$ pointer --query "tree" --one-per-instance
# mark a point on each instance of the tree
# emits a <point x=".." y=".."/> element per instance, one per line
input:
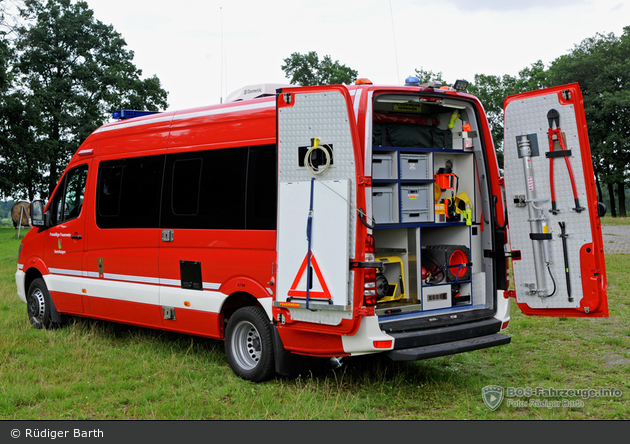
<point x="429" y="76"/>
<point x="492" y="91"/>
<point x="601" y="65"/>
<point x="71" y="71"/>
<point x="307" y="69"/>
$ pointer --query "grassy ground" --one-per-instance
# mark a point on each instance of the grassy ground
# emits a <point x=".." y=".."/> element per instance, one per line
<point x="98" y="370"/>
<point x="607" y="220"/>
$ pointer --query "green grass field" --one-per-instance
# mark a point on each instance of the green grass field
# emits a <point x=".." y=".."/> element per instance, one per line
<point x="98" y="370"/>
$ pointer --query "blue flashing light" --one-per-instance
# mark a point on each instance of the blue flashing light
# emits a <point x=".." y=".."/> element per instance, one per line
<point x="412" y="81"/>
<point x="130" y="114"/>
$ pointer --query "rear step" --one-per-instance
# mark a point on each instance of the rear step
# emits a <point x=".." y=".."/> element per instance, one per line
<point x="448" y="348"/>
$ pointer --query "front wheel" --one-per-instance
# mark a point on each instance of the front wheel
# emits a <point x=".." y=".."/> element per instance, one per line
<point x="40" y="305"/>
<point x="249" y="344"/>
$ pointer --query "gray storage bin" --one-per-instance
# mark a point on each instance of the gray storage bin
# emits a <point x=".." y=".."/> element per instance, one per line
<point x="382" y="204"/>
<point x="414" y="166"/>
<point x="414" y="197"/>
<point x="382" y="166"/>
<point x="411" y="216"/>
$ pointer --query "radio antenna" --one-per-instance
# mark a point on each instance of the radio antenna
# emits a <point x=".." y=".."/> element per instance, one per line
<point x="391" y="15"/>
<point x="221" y="93"/>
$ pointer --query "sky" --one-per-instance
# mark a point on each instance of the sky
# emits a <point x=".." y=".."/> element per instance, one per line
<point x="202" y="50"/>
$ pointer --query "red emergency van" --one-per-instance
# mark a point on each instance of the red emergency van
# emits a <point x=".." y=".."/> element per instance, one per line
<point x="324" y="221"/>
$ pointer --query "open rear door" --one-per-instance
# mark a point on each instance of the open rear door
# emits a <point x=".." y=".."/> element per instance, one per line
<point x="316" y="192"/>
<point x="555" y="232"/>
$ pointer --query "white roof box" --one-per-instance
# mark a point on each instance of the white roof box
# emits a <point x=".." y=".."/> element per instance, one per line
<point x="255" y="91"/>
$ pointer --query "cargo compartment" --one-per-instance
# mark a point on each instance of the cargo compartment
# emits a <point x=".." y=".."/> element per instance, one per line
<point x="426" y="200"/>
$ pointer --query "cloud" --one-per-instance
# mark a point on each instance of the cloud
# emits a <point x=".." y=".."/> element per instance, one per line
<point x="510" y="5"/>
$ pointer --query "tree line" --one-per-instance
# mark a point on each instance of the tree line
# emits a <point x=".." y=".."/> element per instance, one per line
<point x="600" y="64"/>
<point x="62" y="72"/>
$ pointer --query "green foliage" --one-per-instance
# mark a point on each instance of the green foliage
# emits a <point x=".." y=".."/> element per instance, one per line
<point x="70" y="72"/>
<point x="601" y="65"/>
<point x="307" y="69"/>
<point x="492" y="91"/>
<point x="429" y="76"/>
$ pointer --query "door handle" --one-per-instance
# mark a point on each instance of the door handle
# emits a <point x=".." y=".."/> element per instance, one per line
<point x="76" y="236"/>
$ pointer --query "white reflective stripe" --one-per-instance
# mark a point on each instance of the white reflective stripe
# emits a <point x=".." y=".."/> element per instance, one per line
<point x="20" y="266"/>
<point x="116" y="126"/>
<point x="209" y="301"/>
<point x="357" y="101"/>
<point x="123" y="291"/>
<point x="127" y="278"/>
<point x="64" y="284"/>
<point x="228" y="110"/>
<point x="65" y="272"/>
<point x="140" y="279"/>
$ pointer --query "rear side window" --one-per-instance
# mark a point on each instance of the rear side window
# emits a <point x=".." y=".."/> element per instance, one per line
<point x="206" y="189"/>
<point x="229" y="189"/>
<point x="129" y="192"/>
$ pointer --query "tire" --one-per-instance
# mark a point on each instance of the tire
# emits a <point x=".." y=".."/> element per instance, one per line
<point x="249" y="344"/>
<point x="40" y="305"/>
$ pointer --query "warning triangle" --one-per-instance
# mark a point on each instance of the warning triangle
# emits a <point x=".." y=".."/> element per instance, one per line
<point x="323" y="294"/>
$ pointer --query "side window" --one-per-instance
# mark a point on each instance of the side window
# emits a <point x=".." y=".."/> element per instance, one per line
<point x="229" y="189"/>
<point x="129" y="192"/>
<point x="206" y="189"/>
<point x="262" y="186"/>
<point x="68" y="200"/>
<point x="186" y="186"/>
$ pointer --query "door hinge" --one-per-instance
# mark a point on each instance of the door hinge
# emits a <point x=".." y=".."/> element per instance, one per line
<point x="169" y="313"/>
<point x="168" y="236"/>
<point x="365" y="311"/>
<point x="509" y="294"/>
<point x="364" y="180"/>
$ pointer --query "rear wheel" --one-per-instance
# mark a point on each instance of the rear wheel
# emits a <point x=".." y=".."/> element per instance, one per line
<point x="40" y="305"/>
<point x="249" y="344"/>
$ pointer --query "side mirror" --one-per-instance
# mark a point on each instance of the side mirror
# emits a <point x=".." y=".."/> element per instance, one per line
<point x="601" y="209"/>
<point x="37" y="213"/>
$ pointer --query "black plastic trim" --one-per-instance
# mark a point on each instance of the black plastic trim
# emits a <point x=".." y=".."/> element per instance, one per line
<point x="449" y="348"/>
<point x="433" y="322"/>
<point x="422" y="338"/>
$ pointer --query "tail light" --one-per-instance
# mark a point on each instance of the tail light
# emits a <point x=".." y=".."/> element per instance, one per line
<point x="369" y="274"/>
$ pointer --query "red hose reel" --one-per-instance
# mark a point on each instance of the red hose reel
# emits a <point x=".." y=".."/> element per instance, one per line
<point x="450" y="263"/>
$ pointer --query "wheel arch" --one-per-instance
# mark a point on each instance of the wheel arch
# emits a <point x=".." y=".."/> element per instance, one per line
<point x="30" y="275"/>
<point x="240" y="299"/>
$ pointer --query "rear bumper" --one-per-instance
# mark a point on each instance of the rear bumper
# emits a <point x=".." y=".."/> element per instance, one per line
<point x="448" y="348"/>
<point x="442" y="341"/>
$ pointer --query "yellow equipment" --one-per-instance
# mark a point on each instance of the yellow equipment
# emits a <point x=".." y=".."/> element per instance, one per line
<point x="390" y="280"/>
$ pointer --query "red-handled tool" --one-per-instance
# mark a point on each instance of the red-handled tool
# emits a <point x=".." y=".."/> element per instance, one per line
<point x="555" y="135"/>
